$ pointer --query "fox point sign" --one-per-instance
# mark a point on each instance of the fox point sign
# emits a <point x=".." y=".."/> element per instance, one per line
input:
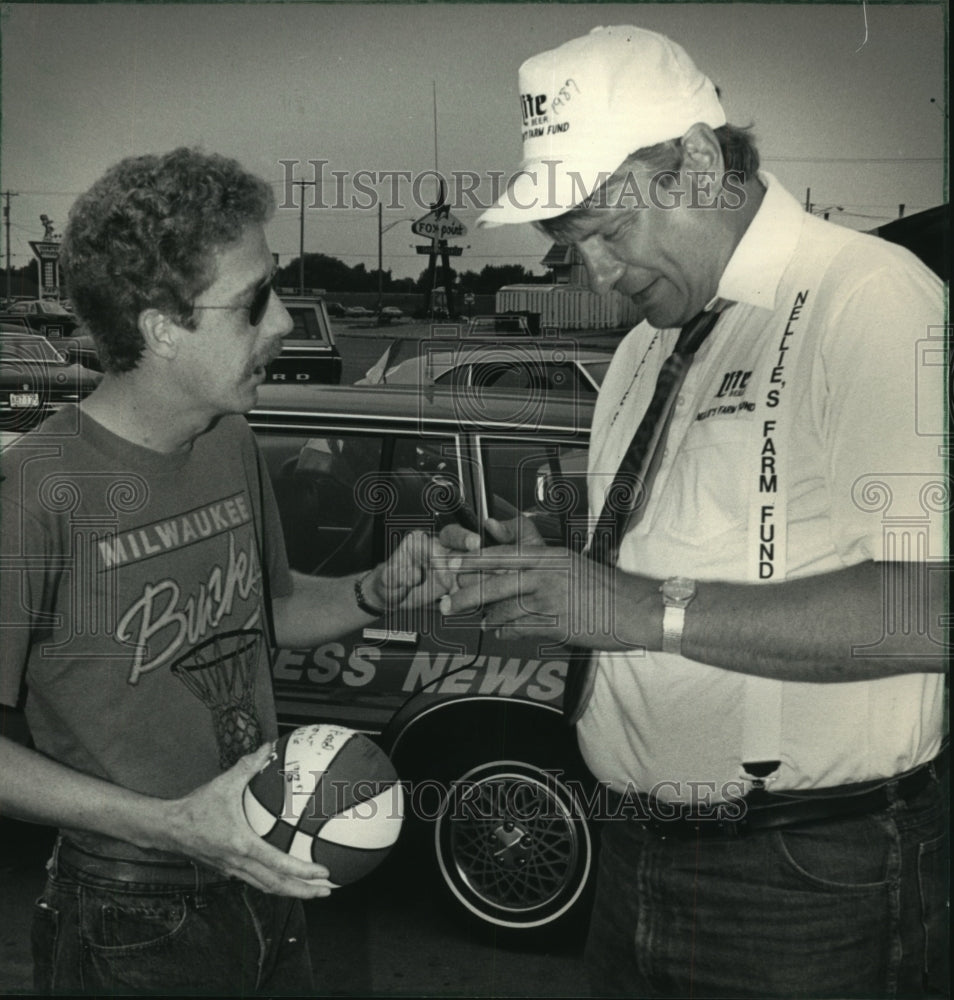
<point x="439" y="225"/>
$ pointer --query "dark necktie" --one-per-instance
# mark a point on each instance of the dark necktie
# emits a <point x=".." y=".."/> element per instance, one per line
<point x="625" y="500"/>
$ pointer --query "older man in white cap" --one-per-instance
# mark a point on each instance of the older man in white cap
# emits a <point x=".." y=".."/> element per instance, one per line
<point x="767" y="496"/>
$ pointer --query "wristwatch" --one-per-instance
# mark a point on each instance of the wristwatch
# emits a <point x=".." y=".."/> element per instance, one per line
<point x="678" y="592"/>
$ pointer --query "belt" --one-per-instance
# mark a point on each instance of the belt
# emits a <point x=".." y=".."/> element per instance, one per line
<point x="163" y="870"/>
<point x="761" y="810"/>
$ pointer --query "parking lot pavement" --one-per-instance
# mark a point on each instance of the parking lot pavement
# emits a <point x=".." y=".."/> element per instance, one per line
<point x="18" y="889"/>
<point x="23" y="852"/>
<point x="396" y="934"/>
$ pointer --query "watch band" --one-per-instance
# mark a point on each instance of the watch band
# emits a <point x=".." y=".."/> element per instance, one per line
<point x="674" y="620"/>
<point x="678" y="593"/>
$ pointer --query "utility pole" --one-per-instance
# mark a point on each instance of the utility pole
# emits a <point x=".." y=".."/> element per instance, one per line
<point x="434" y="92"/>
<point x="380" y="258"/>
<point x="6" y="222"/>
<point x="301" y="235"/>
<point x="808" y="199"/>
<point x="382" y="229"/>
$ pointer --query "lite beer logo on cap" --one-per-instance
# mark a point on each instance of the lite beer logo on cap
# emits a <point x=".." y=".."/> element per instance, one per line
<point x="532" y="106"/>
<point x="535" y="110"/>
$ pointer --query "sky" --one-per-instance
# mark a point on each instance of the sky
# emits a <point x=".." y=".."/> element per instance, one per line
<point x="847" y="101"/>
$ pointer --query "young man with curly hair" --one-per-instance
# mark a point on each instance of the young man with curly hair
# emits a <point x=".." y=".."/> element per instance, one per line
<point x="144" y="579"/>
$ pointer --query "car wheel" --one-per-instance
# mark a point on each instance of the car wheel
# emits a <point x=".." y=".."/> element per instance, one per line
<point x="513" y="845"/>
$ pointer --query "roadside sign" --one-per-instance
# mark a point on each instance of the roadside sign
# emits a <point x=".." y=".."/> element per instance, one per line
<point x="45" y="249"/>
<point x="439" y="226"/>
<point x="47" y="265"/>
<point x="436" y="251"/>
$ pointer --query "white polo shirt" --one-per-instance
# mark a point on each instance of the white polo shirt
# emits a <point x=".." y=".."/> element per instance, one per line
<point x="863" y="479"/>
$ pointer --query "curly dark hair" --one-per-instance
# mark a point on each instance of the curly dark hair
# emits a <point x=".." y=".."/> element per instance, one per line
<point x="144" y="235"/>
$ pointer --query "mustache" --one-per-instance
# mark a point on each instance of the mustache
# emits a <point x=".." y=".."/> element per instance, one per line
<point x="263" y="359"/>
<point x="267" y="357"/>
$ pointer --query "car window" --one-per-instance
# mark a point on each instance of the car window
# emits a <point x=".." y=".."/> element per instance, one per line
<point x="14" y="347"/>
<point x="306" y="324"/>
<point x="458" y="375"/>
<point x="541" y="478"/>
<point x="564" y="377"/>
<point x="300" y="331"/>
<point x="507" y="374"/>
<point x="596" y="370"/>
<point x="531" y="375"/>
<point x="346" y="500"/>
<point x="52" y="308"/>
<point x="498" y="324"/>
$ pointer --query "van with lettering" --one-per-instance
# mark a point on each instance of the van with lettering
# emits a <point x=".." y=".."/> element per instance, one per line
<point x="473" y="723"/>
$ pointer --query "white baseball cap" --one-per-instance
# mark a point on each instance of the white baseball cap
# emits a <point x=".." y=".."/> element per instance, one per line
<point x="587" y="105"/>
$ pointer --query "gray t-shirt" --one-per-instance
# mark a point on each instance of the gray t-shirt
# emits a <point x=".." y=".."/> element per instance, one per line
<point x="119" y="566"/>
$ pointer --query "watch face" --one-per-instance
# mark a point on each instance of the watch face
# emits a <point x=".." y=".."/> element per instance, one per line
<point x="679" y="588"/>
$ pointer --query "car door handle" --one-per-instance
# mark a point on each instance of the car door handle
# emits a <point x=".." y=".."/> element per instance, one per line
<point x="372" y="634"/>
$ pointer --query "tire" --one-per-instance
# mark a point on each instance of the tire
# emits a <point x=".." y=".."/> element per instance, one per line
<point x="512" y="845"/>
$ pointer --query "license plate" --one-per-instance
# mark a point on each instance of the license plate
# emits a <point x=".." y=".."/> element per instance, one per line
<point x="23" y="400"/>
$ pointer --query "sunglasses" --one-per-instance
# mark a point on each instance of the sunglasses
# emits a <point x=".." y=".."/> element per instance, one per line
<point x="258" y="306"/>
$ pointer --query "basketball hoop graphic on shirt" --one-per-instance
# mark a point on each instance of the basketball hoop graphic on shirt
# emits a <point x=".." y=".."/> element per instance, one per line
<point x="220" y="672"/>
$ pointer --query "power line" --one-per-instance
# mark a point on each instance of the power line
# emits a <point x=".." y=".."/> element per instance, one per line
<point x="861" y="215"/>
<point x="283" y="183"/>
<point x="851" y="159"/>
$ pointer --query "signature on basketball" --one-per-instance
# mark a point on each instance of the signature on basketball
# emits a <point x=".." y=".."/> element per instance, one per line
<point x="333" y="739"/>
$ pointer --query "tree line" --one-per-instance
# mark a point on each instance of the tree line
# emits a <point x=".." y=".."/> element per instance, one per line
<point x="334" y="275"/>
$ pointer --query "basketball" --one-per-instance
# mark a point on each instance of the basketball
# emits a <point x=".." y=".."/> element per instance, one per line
<point x="328" y="794"/>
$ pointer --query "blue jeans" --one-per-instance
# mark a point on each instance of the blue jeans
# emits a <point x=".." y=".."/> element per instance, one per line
<point x="95" y="934"/>
<point x="854" y="907"/>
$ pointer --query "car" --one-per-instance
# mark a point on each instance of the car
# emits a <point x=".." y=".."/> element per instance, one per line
<point x="309" y="352"/>
<point x="38" y="307"/>
<point x="335" y="309"/>
<point x="46" y="317"/>
<point x="560" y="367"/>
<point x="358" y="312"/>
<point x="14" y="324"/>
<point x="80" y="348"/>
<point x="495" y="788"/>
<point x="388" y="313"/>
<point x="503" y="323"/>
<point x="35" y="378"/>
